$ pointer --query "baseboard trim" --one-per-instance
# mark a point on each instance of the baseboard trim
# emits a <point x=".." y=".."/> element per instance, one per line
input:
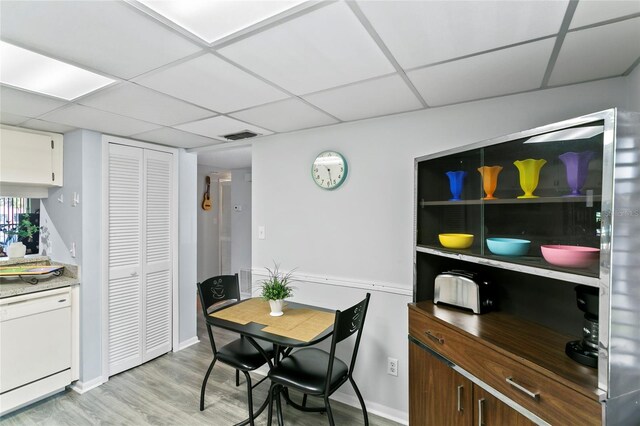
<point x="343" y="282"/>
<point x="82" y="387"/>
<point x="372" y="407"/>
<point x="187" y="343"/>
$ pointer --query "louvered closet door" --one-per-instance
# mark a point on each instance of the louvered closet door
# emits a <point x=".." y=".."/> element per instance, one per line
<point x="125" y="195"/>
<point x="157" y="253"/>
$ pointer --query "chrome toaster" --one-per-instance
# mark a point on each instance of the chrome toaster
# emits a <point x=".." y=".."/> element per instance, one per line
<point x="465" y="290"/>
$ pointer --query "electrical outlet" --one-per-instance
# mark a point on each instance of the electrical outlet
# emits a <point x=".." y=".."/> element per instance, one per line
<point x="392" y="366"/>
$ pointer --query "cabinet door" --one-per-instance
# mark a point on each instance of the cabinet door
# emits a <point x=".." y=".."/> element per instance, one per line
<point x="438" y="396"/>
<point x="490" y="411"/>
<point x="25" y="157"/>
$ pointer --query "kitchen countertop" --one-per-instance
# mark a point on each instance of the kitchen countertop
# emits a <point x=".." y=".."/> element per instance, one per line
<point x="14" y="286"/>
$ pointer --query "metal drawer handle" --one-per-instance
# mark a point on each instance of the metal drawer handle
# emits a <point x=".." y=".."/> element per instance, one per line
<point x="460" y="398"/>
<point x="534" y="395"/>
<point x="433" y="337"/>
<point x="481" y="412"/>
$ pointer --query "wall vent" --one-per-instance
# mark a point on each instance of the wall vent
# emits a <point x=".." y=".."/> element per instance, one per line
<point x="245" y="282"/>
<point x="245" y="134"/>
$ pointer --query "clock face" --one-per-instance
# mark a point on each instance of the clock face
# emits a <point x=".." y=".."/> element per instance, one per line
<point x="329" y="170"/>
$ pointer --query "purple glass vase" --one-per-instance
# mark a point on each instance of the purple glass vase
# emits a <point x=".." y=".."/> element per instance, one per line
<point x="577" y="165"/>
<point x="456" y="180"/>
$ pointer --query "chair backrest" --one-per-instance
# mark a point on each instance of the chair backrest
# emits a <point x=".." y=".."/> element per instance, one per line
<point x="348" y="322"/>
<point x="218" y="289"/>
<point x="215" y="290"/>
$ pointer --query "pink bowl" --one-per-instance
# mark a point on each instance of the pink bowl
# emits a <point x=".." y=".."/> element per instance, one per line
<point x="570" y="256"/>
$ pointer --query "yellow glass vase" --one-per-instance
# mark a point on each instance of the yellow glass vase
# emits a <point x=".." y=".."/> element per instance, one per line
<point x="529" y="174"/>
<point x="489" y="180"/>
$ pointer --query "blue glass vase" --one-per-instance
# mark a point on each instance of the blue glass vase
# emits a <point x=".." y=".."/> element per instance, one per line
<point x="456" y="180"/>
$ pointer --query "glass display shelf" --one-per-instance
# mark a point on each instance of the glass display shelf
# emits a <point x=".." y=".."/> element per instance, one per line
<point x="526" y="264"/>
<point x="586" y="199"/>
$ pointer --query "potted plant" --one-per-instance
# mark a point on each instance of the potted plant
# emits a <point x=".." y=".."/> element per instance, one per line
<point x="24" y="231"/>
<point x="276" y="288"/>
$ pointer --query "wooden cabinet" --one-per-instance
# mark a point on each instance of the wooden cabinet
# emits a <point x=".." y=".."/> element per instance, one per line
<point x="30" y="161"/>
<point x="441" y="396"/>
<point x="521" y="361"/>
<point x="438" y="395"/>
<point x="490" y="411"/>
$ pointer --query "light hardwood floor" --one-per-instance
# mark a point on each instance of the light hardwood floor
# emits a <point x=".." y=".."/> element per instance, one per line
<point x="166" y="391"/>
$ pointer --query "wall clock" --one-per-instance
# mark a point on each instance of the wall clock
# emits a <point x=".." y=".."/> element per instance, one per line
<point x="329" y="170"/>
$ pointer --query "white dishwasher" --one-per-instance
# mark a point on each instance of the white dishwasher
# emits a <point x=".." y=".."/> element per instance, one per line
<point x="35" y="346"/>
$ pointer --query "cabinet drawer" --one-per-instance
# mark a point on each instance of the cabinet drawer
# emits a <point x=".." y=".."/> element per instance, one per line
<point x="540" y="394"/>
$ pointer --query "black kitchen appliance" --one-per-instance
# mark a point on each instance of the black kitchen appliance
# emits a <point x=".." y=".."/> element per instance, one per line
<point x="585" y="351"/>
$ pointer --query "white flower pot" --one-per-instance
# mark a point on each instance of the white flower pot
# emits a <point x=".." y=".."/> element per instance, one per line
<point x="16" y="250"/>
<point x="276" y="307"/>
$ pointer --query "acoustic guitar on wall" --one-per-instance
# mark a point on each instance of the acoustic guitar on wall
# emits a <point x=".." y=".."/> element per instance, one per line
<point x="206" y="199"/>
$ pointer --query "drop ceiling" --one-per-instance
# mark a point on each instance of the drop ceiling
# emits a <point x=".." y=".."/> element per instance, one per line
<point x="303" y="64"/>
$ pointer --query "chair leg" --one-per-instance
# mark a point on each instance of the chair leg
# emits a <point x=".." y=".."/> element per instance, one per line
<point x="237" y="377"/>
<point x="329" y="412"/>
<point x="204" y="383"/>
<point x="304" y="400"/>
<point x="249" y="397"/>
<point x="364" y="408"/>
<point x="279" y="407"/>
<point x="272" y="389"/>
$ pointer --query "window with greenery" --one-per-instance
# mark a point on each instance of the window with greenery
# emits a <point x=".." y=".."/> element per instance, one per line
<point x="19" y="222"/>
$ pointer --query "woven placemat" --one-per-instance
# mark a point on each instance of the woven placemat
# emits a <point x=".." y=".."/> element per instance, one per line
<point x="300" y="324"/>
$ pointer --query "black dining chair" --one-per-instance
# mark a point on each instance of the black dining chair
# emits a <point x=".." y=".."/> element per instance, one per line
<point x="244" y="354"/>
<point x="319" y="373"/>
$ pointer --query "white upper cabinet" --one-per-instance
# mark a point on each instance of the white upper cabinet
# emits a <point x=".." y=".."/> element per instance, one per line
<point x="30" y="162"/>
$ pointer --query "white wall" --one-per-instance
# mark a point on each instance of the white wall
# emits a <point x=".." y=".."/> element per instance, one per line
<point x="633" y="92"/>
<point x="208" y="234"/>
<point x="187" y="239"/>
<point x="360" y="237"/>
<point x="240" y="220"/>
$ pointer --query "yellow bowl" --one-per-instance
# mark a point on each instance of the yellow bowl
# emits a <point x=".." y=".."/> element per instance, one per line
<point x="456" y="241"/>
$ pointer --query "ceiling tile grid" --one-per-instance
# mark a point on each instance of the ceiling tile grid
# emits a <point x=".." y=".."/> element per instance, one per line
<point x="500" y="72"/>
<point x="83" y="117"/>
<point x="313" y="65"/>
<point x="174" y="137"/>
<point x="103" y="35"/>
<point x="285" y="116"/>
<point x="597" y="52"/>
<point x="218" y="127"/>
<point x="322" y="49"/>
<point x="144" y="104"/>
<point x="212" y="83"/>
<point x="372" y="98"/>
<point x="425" y="32"/>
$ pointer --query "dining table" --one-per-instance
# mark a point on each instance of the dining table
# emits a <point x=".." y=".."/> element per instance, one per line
<point x="300" y="325"/>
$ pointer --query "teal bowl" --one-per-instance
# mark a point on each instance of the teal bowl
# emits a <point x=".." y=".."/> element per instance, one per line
<point x="508" y="246"/>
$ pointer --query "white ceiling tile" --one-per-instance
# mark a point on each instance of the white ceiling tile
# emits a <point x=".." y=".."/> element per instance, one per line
<point x="139" y="102"/>
<point x="213" y="20"/>
<point x="212" y="83"/>
<point x="101" y="121"/>
<point x="216" y="127"/>
<point x="25" y="103"/>
<point x="285" y="116"/>
<point x="107" y="36"/>
<point x="591" y="12"/>
<point x="47" y="126"/>
<point x="227" y="159"/>
<point x="425" y="32"/>
<point x="177" y="138"/>
<point x="598" y="52"/>
<point x="386" y="95"/>
<point x="324" y="48"/>
<point x="11" y="119"/>
<point x="497" y="73"/>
